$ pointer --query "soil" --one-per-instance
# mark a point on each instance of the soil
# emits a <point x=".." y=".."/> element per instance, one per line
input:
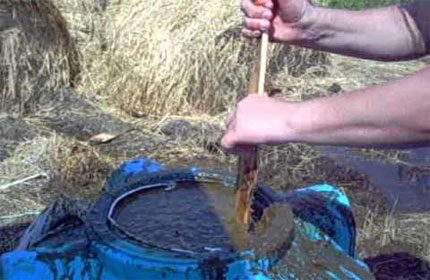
<point x="201" y="133"/>
<point x="70" y="115"/>
<point x="3" y="155"/>
<point x="65" y="112"/>
<point x="400" y="265"/>
<point x="10" y="235"/>
<point x="14" y="131"/>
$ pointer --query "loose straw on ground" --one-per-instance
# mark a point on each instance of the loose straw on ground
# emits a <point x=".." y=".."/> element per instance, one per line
<point x="24" y="180"/>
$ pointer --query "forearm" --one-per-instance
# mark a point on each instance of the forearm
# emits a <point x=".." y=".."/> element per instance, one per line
<point x="391" y="115"/>
<point x="386" y="34"/>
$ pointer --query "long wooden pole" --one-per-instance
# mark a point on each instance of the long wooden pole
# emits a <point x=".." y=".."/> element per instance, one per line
<point x="264" y="44"/>
<point x="248" y="164"/>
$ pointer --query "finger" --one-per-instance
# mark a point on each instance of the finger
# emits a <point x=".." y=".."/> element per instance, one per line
<point x="269" y="4"/>
<point x="256" y="24"/>
<point x="252" y="10"/>
<point x="228" y="142"/>
<point x="251" y="34"/>
<point x="264" y="3"/>
<point x="230" y="118"/>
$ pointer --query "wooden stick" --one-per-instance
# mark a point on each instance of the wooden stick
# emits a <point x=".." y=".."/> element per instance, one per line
<point x="263" y="62"/>
<point x="248" y="164"/>
<point x="36" y="176"/>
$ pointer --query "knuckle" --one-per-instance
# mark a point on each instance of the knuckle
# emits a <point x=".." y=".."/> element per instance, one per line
<point x="255" y="13"/>
<point x="245" y="32"/>
<point x="245" y="22"/>
<point x="256" y="24"/>
<point x="263" y="24"/>
<point x="256" y="33"/>
<point x="243" y="102"/>
<point x="240" y="105"/>
<point x="250" y="23"/>
<point x="244" y="6"/>
<point x="251" y="33"/>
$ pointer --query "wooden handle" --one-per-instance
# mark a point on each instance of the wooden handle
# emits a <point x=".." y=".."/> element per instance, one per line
<point x="248" y="164"/>
<point x="264" y="43"/>
<point x="263" y="62"/>
<point x="258" y="72"/>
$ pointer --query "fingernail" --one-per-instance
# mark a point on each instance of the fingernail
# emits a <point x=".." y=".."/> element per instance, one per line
<point x="256" y="33"/>
<point x="267" y="15"/>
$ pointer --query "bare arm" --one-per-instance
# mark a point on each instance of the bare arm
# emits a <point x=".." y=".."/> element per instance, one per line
<point x="397" y="113"/>
<point x="388" y="34"/>
<point x="394" y="115"/>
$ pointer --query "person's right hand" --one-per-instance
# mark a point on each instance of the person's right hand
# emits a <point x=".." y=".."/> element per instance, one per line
<point x="282" y="19"/>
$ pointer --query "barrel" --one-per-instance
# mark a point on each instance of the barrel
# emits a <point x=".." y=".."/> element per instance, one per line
<point x="124" y="257"/>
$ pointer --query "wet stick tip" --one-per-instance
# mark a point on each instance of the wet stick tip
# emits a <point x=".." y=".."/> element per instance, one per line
<point x="248" y="164"/>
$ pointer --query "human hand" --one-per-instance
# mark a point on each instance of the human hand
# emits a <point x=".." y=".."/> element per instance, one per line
<point x="282" y="19"/>
<point x="256" y="120"/>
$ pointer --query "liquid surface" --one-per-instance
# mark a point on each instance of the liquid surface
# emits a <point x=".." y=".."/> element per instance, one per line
<point x="189" y="217"/>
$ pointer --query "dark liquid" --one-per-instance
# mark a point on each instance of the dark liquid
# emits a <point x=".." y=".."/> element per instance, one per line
<point x="190" y="217"/>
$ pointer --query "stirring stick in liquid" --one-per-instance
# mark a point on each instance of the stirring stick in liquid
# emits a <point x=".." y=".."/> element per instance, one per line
<point x="248" y="163"/>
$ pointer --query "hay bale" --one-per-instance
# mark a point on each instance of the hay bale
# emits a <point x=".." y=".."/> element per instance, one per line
<point x="37" y="53"/>
<point x="170" y="57"/>
<point x="84" y="19"/>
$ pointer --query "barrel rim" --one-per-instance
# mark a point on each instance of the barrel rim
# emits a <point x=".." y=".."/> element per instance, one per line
<point x="100" y="228"/>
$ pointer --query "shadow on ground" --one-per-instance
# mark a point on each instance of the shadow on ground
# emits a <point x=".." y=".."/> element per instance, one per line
<point x="400" y="265"/>
<point x="405" y="185"/>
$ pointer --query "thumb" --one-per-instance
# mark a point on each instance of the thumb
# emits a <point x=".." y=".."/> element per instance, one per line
<point x="229" y="141"/>
<point x="231" y="145"/>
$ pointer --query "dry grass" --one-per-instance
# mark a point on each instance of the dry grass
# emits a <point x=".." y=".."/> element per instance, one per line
<point x="29" y="159"/>
<point x="79" y="169"/>
<point x="67" y="168"/>
<point x="394" y="233"/>
<point x="37" y="53"/>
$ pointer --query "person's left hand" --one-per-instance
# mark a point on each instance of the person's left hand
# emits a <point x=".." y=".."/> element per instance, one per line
<point x="256" y="120"/>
